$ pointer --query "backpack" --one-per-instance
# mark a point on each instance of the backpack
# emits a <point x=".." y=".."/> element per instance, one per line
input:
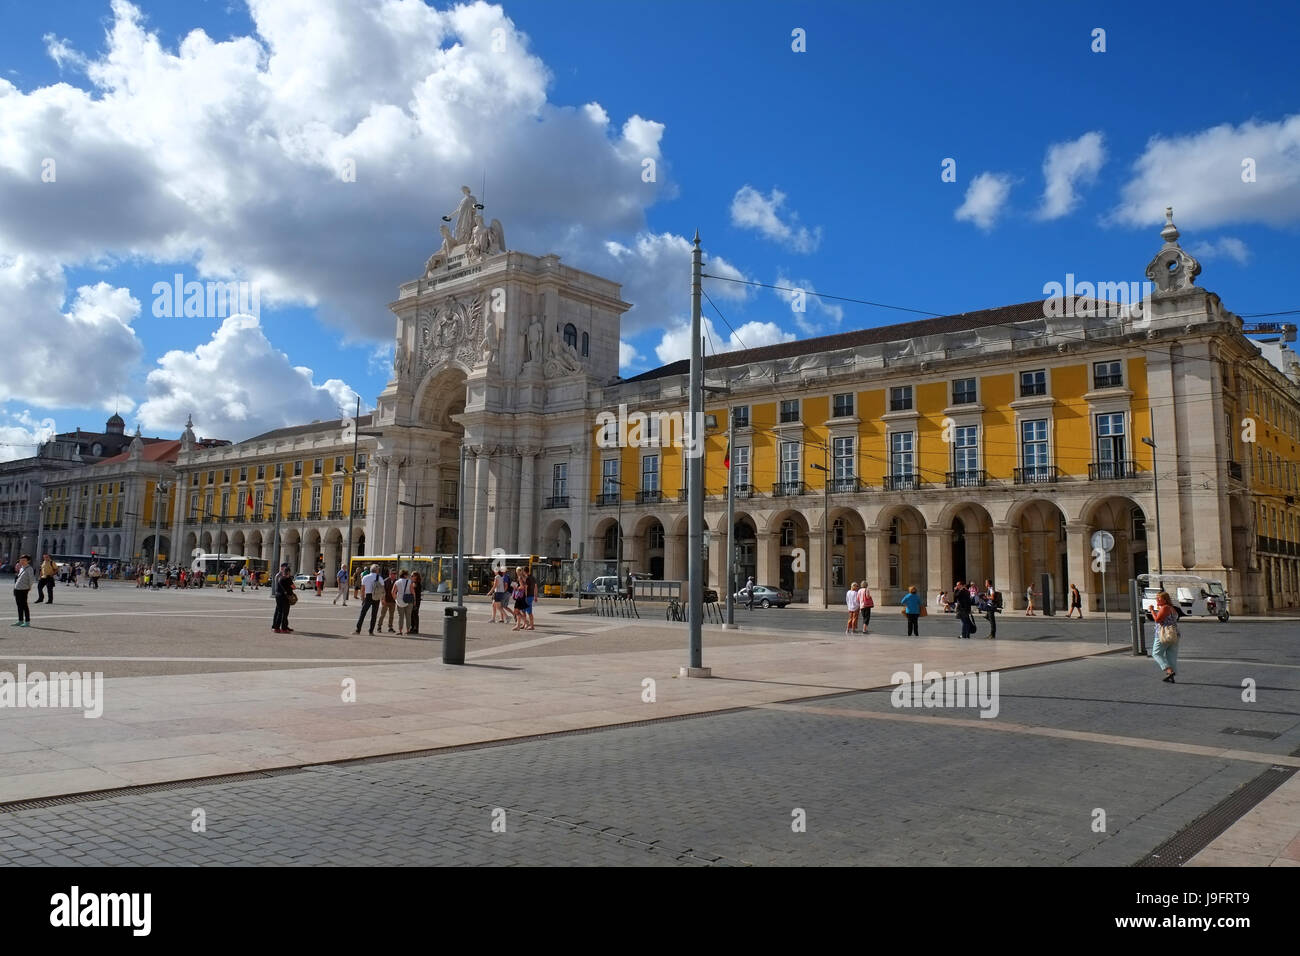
<point x="997" y="600"/>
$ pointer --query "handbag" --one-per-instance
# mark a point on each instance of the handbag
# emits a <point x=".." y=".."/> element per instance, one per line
<point x="1169" y="634"/>
<point x="924" y="612"/>
<point x="293" y="597"/>
<point x="868" y="601"/>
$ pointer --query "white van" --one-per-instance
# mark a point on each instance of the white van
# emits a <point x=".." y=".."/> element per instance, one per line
<point x="1194" y="595"/>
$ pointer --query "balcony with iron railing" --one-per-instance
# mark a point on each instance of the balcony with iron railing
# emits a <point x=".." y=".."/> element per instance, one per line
<point x="1107" y="381"/>
<point x="1116" y="470"/>
<point x="557" y="501"/>
<point x="336" y="515"/>
<point x="1037" y="475"/>
<point x="293" y="516"/>
<point x="448" y="511"/>
<point x="789" y="489"/>
<point x="649" y="496"/>
<point x="608" y="499"/>
<point x="903" y="481"/>
<point x="743" y="490"/>
<point x="313" y="516"/>
<point x="358" y="512"/>
<point x="847" y="485"/>
<point x="968" y="478"/>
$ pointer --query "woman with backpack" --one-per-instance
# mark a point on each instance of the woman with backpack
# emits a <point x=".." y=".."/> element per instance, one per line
<point x="1165" y="649"/>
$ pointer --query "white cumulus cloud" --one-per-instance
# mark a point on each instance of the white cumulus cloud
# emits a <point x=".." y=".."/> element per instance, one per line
<point x="750" y="209"/>
<point x="985" y="197"/>
<point x="1225" y="247"/>
<point x="676" y="341"/>
<point x="1067" y="164"/>
<point x="237" y="385"/>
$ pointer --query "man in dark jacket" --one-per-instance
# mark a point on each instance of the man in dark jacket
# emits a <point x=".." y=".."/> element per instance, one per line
<point x="283" y="588"/>
<point x="962" y="599"/>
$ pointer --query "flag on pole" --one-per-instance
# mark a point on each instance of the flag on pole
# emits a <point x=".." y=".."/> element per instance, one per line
<point x="726" y="458"/>
<point x="249" y="503"/>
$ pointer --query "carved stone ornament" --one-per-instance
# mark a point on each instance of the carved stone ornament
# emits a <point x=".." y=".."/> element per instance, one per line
<point x="454" y="331"/>
<point x="1172" y="270"/>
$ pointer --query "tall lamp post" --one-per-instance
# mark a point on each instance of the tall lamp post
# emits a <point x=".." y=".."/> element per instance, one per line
<point x="275" y="558"/>
<point x="160" y="490"/>
<point x="40" y="523"/>
<point x="356" y="439"/>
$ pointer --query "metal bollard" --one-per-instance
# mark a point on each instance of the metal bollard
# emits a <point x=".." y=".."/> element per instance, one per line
<point x="453" y="634"/>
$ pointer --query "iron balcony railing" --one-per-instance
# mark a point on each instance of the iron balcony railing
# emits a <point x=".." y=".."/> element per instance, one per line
<point x="903" y="481"/>
<point x="608" y="499"/>
<point x="294" y="516"/>
<point x="648" y="496"/>
<point x="1115" y="470"/>
<point x="557" y="501"/>
<point x="1107" y="381"/>
<point x="742" y="490"/>
<point x="970" y="478"/>
<point x="847" y="486"/>
<point x="313" y="516"/>
<point x="1037" y="475"/>
<point x="336" y="514"/>
<point x="787" y="489"/>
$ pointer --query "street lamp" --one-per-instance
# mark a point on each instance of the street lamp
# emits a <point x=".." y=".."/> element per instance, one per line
<point x="618" y="548"/>
<point x="160" y="489"/>
<point x="40" y="523"/>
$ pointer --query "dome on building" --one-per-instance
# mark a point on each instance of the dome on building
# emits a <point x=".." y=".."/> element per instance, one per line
<point x="115" y="425"/>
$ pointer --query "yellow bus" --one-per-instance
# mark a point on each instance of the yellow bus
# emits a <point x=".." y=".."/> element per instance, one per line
<point x="555" y="577"/>
<point x="211" y="566"/>
<point x="422" y="563"/>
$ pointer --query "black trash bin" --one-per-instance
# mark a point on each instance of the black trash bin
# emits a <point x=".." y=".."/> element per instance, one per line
<point x="453" y="634"/>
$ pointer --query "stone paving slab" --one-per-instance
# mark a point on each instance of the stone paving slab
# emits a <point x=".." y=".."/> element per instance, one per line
<point x="290" y="717"/>
<point x="1269" y="835"/>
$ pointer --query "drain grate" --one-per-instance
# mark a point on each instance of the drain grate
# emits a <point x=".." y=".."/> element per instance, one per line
<point x="1247" y="732"/>
<point x="1206" y="828"/>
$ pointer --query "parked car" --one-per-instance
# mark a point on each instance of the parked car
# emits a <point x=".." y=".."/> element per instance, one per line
<point x="1195" y="596"/>
<point x="764" y="596"/>
<point x="304" y="582"/>
<point x="607" y="583"/>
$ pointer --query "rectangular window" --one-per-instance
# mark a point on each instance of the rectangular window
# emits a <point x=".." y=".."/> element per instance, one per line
<point x="212" y="477"/>
<point x="225" y="503"/>
<point x="194" y="480"/>
<point x="1111" y="446"/>
<point x="843" y="459"/>
<point x="560" y="479"/>
<point x="843" y="405"/>
<point x="650" y="473"/>
<point x="789" y="410"/>
<point x="243" y="474"/>
<point x="261" y="472"/>
<point x="740" y="416"/>
<point x="336" y="498"/>
<point x="900" y="398"/>
<point x="1106" y="375"/>
<point x="295" y="500"/>
<point x="338" y="464"/>
<point x="901" y="454"/>
<point x="740" y="466"/>
<point x="359" y="494"/>
<point x="1033" y="450"/>
<point x="297" y="469"/>
<point x="965" y="451"/>
<point x="279" y="470"/>
<point x="361" y="461"/>
<point x="963" y="391"/>
<point x="315" y="499"/>
<point x="1033" y="383"/>
<point x="194" y="505"/>
<point x="790" y="464"/>
<point x="609" y="477"/>
<point x="258" y="503"/>
<point x="317" y="466"/>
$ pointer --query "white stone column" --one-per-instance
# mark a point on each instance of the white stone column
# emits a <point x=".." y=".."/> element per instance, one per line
<point x="938" y="559"/>
<point x="1079" y="563"/>
<point x="1006" y="556"/>
<point x="674" y="557"/>
<point x="528" y="503"/>
<point x="767" y="554"/>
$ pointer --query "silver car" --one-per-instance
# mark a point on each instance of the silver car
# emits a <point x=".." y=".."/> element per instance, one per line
<point x="764" y="596"/>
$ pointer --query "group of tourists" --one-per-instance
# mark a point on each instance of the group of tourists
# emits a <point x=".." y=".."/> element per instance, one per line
<point x="394" y="597"/>
<point x="516" y="595"/>
<point x="860" y="603"/>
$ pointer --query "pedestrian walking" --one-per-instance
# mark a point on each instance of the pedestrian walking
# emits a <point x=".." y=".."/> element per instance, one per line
<point x="519" y="600"/>
<point x="388" y="604"/>
<point x="320" y="582"/>
<point x="913" y="608"/>
<point x="865" y="603"/>
<point x="285" y="598"/>
<point x="1165" y="649"/>
<point x="851" y="599"/>
<point x="341" y="580"/>
<point x="230" y="579"/>
<point x="992" y="604"/>
<point x="368" y="584"/>
<point x="530" y="596"/>
<point x="46" y="583"/>
<point x="94" y="574"/>
<point x="749" y="593"/>
<point x="965" y="609"/>
<point x="23" y="582"/>
<point x="1076" y="602"/>
<point x="1029" y="601"/>
<point x="417" y="595"/>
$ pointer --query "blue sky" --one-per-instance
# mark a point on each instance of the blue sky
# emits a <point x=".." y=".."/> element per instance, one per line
<point x="817" y="168"/>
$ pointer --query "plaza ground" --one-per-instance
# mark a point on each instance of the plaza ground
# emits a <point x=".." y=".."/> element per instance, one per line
<point x="796" y="719"/>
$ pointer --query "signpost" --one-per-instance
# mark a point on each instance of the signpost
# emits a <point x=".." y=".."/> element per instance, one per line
<point x="1103" y="542"/>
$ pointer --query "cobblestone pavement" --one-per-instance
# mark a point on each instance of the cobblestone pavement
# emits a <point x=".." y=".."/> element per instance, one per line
<point x="727" y="789"/>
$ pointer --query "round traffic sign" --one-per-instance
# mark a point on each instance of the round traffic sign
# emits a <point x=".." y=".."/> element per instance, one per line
<point x="1103" y="540"/>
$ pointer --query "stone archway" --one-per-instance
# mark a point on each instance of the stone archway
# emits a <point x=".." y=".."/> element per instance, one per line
<point x="970" y="543"/>
<point x="646" y="547"/>
<point x="1038" y="544"/>
<point x="792" y="557"/>
<point x="902" y="543"/>
<point x="1126" y="522"/>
